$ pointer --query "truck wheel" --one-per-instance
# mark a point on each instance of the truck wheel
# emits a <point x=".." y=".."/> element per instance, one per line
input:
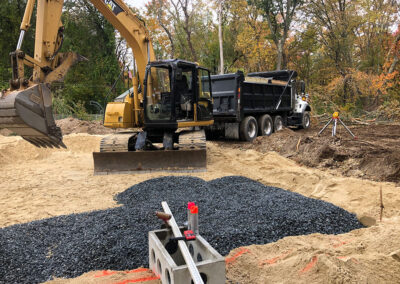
<point x="248" y="129"/>
<point x="265" y="125"/>
<point x="306" y="120"/>
<point x="278" y="123"/>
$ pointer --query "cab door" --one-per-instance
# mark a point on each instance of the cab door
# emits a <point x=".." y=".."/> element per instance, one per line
<point x="204" y="99"/>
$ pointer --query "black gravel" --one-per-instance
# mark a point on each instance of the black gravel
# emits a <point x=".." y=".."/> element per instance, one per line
<point x="233" y="212"/>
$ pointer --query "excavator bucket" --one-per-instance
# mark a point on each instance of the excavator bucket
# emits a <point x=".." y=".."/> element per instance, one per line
<point x="28" y="113"/>
<point x="149" y="161"/>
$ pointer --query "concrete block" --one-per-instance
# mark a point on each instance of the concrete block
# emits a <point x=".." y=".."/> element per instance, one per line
<point x="166" y="260"/>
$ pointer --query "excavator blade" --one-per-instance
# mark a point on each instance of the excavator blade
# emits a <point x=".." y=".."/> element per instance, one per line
<point x="149" y="161"/>
<point x="28" y="113"/>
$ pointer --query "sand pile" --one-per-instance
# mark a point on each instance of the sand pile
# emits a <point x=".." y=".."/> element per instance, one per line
<point x="72" y="125"/>
<point x="138" y="275"/>
<point x="62" y="182"/>
<point x="362" y="256"/>
<point x="5" y="132"/>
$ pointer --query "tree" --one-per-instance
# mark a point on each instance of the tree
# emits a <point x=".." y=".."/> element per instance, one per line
<point x="336" y="22"/>
<point x="90" y="80"/>
<point x="186" y="8"/>
<point x="279" y="15"/>
<point x="11" y="13"/>
<point x="253" y="49"/>
<point x="158" y="18"/>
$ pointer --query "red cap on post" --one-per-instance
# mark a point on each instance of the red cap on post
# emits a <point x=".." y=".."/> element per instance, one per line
<point x="194" y="210"/>
<point x="190" y="205"/>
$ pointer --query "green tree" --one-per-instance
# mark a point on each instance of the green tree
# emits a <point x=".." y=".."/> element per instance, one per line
<point x="11" y="13"/>
<point x="88" y="33"/>
<point x="279" y="15"/>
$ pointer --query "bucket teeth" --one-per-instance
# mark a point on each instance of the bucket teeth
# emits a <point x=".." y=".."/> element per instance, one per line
<point x="44" y="142"/>
<point x="28" y="113"/>
<point x="32" y="141"/>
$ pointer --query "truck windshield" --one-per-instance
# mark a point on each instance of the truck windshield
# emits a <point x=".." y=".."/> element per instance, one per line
<point x="159" y="94"/>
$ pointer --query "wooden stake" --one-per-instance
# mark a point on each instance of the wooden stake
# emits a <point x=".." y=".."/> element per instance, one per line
<point x="298" y="144"/>
<point x="382" y="207"/>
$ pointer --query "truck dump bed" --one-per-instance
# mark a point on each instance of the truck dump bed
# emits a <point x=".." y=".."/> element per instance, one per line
<point x="235" y="96"/>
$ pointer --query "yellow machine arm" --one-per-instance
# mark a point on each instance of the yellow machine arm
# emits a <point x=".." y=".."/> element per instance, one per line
<point x="128" y="114"/>
<point x="25" y="108"/>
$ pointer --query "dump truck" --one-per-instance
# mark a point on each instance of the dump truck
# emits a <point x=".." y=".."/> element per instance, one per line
<point x="258" y="104"/>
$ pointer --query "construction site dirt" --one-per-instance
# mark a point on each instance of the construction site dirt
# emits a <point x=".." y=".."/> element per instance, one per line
<point x="374" y="154"/>
<point x="42" y="183"/>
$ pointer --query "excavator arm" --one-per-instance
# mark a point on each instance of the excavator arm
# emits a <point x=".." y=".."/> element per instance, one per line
<point x="26" y="107"/>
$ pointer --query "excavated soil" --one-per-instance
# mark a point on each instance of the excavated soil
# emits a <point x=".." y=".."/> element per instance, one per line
<point x="375" y="154"/>
<point x="42" y="183"/>
<point x="72" y="125"/>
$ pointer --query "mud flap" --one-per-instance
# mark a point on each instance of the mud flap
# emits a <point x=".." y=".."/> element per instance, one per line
<point x="28" y="113"/>
<point x="149" y="161"/>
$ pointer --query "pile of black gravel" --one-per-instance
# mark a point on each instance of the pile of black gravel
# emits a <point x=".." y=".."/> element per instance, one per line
<point x="233" y="212"/>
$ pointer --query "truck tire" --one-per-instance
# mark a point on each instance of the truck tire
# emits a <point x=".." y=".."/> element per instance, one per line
<point x="265" y="125"/>
<point x="278" y="123"/>
<point x="305" y="121"/>
<point x="248" y="129"/>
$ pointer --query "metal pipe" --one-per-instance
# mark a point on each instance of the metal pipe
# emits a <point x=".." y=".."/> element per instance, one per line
<point x="347" y="128"/>
<point x="21" y="39"/>
<point x="280" y="98"/>
<point x="334" y="127"/>
<point x="148" y="51"/>
<point x="326" y="125"/>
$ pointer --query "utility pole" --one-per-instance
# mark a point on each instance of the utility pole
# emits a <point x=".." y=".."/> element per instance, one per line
<point x="221" y="48"/>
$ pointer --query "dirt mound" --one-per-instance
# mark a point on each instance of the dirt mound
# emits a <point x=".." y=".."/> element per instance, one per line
<point x="139" y="275"/>
<point x="374" y="154"/>
<point x="14" y="149"/>
<point x="72" y="125"/>
<point x="5" y="132"/>
<point x="361" y="256"/>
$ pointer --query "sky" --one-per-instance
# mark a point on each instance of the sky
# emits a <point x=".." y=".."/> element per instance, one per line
<point x="136" y="3"/>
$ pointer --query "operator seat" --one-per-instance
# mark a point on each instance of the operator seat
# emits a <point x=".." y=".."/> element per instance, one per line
<point x="184" y="94"/>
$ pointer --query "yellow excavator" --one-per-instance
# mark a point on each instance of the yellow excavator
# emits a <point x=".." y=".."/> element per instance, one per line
<point x="170" y="101"/>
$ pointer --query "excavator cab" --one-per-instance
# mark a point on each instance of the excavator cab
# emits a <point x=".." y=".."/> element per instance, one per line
<point x="178" y="95"/>
<point x="177" y="102"/>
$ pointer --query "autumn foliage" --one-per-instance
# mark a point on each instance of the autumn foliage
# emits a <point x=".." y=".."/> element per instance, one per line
<point x="346" y="51"/>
